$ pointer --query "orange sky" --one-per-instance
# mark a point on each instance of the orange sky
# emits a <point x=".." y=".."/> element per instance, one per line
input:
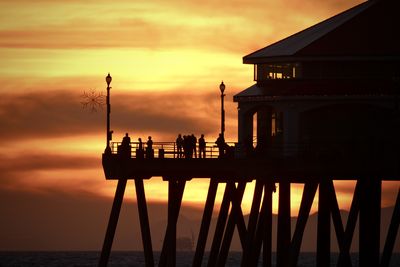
<point x="166" y="58"/>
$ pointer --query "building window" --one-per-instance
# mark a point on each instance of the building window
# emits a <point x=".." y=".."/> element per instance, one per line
<point x="277" y="71"/>
<point x="276" y="124"/>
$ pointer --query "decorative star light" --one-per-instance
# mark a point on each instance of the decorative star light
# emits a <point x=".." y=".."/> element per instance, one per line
<point x="92" y="100"/>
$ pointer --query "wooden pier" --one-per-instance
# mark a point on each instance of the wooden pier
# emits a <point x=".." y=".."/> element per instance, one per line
<point x="256" y="234"/>
<point x="325" y="106"/>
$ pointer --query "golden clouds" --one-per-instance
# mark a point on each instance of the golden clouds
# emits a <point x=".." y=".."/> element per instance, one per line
<point x="167" y="59"/>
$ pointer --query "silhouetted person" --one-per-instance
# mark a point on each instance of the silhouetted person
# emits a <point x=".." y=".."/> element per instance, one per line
<point x="187" y="146"/>
<point x="221" y="145"/>
<point x="179" y="145"/>
<point x="125" y="148"/>
<point x="126" y="141"/>
<point x="202" y="146"/>
<point x="193" y="144"/>
<point x="149" y="149"/>
<point x="140" y="143"/>
<point x="140" y="151"/>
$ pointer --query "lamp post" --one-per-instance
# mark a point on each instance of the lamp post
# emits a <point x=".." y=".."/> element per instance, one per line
<point x="109" y="133"/>
<point x="222" y="89"/>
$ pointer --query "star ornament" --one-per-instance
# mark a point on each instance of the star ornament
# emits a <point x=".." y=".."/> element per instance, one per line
<point x="92" y="100"/>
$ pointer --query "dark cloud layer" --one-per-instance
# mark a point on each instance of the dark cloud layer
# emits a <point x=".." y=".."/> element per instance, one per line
<point x="60" y="113"/>
<point x="46" y="161"/>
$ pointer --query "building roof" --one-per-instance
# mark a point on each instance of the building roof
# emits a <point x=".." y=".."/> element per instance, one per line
<point x="369" y="29"/>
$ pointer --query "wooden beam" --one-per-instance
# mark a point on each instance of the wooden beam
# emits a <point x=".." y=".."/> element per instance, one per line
<point x="264" y="229"/>
<point x="144" y="223"/>
<point x="219" y="229"/>
<point x="370" y="220"/>
<point x="112" y="223"/>
<point x="284" y="228"/>
<point x="346" y="238"/>
<point x="235" y="217"/>
<point x="175" y="194"/>
<point x="252" y="224"/>
<point x="309" y="191"/>
<point x="269" y="189"/>
<point x="324" y="224"/>
<point x="205" y="223"/>
<point x="392" y="233"/>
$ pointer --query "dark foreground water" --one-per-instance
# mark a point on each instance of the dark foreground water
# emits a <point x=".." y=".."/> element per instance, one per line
<point x="125" y="259"/>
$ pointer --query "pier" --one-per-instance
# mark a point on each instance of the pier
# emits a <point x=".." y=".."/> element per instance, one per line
<point x="325" y="106"/>
<point x="314" y="172"/>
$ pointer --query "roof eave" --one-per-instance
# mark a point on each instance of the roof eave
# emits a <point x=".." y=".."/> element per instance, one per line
<point x="293" y="59"/>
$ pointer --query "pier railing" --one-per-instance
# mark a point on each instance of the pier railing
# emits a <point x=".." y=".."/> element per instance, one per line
<point x="376" y="151"/>
<point x="168" y="150"/>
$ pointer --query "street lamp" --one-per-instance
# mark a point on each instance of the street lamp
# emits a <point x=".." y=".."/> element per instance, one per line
<point x="222" y="89"/>
<point x="109" y="133"/>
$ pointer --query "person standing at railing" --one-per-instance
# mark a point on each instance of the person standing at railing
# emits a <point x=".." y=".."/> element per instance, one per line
<point x="221" y="145"/>
<point x="193" y="144"/>
<point x="126" y="141"/>
<point x="149" y="149"/>
<point x="202" y="146"/>
<point x="179" y="145"/>
<point x="140" y="146"/>
<point x="139" y="151"/>
<point x="125" y="148"/>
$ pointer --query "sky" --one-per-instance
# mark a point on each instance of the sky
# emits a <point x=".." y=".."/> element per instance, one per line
<point x="167" y="59"/>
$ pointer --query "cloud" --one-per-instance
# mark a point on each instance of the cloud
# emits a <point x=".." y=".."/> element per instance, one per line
<point x="46" y="171"/>
<point x="31" y="161"/>
<point x="235" y="26"/>
<point x="60" y="113"/>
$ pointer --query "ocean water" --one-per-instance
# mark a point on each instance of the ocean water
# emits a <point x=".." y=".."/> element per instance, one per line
<point x="129" y="259"/>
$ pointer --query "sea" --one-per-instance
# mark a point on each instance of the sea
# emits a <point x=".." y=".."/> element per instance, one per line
<point x="136" y="258"/>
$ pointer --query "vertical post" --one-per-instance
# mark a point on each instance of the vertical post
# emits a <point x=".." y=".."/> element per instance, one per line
<point x="235" y="217"/>
<point x="172" y="219"/>
<point x="219" y="229"/>
<point x="222" y="89"/>
<point x="284" y="228"/>
<point x="370" y="218"/>
<point x="263" y="130"/>
<point x="245" y="132"/>
<point x="252" y="224"/>
<point x="108" y="136"/>
<point x="263" y="235"/>
<point x="205" y="223"/>
<point x="144" y="222"/>
<point x="310" y="188"/>
<point x="175" y="194"/>
<point x="324" y="225"/>
<point x="112" y="223"/>
<point x="346" y="238"/>
<point x="392" y="234"/>
<point x="267" y="242"/>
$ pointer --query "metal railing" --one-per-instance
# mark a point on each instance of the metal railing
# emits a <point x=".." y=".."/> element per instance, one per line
<point x="167" y="150"/>
<point x="378" y="151"/>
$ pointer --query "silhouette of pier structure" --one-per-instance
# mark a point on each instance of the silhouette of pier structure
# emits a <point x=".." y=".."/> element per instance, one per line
<point x="325" y="107"/>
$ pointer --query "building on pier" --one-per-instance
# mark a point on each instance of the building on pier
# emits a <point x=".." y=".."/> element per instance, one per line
<point x="334" y="86"/>
<point x="325" y="107"/>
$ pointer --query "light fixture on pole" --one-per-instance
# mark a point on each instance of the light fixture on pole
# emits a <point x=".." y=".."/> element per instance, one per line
<point x="222" y="89"/>
<point x="109" y="133"/>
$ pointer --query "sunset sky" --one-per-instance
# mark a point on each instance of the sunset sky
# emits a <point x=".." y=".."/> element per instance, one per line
<point x="167" y="59"/>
